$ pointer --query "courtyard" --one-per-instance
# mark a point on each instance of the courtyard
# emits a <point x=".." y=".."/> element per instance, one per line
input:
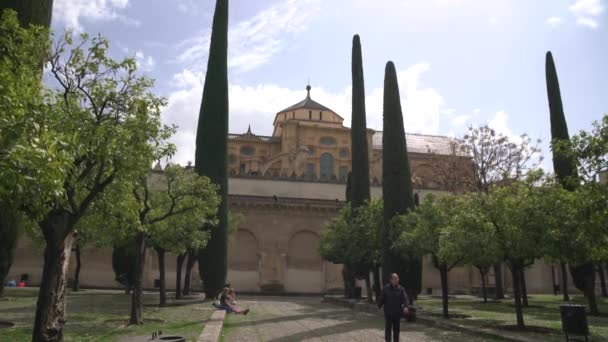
<point x="98" y="315"/>
<point x="282" y="319"/>
<point x="101" y="315"/>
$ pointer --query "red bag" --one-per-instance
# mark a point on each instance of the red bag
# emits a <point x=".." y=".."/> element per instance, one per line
<point x="409" y="314"/>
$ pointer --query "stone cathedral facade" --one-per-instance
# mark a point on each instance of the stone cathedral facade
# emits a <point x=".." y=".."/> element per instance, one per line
<point x="286" y="187"/>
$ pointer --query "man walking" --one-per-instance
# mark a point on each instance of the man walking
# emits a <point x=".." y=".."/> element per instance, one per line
<point x="395" y="302"/>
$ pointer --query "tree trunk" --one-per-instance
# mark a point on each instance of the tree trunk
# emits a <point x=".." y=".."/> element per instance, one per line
<point x="9" y="227"/>
<point x="443" y="273"/>
<point x="590" y="289"/>
<point x="178" y="277"/>
<point x="377" y="282"/>
<point x="161" y="269"/>
<point x="368" y="284"/>
<point x="524" y="288"/>
<point x="500" y="293"/>
<point x="565" y="282"/>
<point x="76" y="285"/>
<point x="192" y="257"/>
<point x="484" y="290"/>
<point x="516" y="273"/>
<point x="349" y="281"/>
<point x="553" y="280"/>
<point x="50" y="309"/>
<point x="600" y="270"/>
<point x="137" y="286"/>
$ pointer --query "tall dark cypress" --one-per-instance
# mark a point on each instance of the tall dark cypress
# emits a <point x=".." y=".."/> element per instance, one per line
<point x="30" y="12"/>
<point x="212" y="149"/>
<point x="564" y="167"/>
<point x="360" y="157"/>
<point x="397" y="190"/>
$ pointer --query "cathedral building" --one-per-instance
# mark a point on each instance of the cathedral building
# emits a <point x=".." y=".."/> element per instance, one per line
<point x="286" y="187"/>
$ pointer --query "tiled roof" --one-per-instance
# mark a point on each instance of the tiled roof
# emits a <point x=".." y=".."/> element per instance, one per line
<point x="233" y="136"/>
<point x="307" y="103"/>
<point x="420" y="143"/>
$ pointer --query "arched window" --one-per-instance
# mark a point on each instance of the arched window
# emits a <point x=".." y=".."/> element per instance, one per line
<point x="327" y="166"/>
<point x="247" y="150"/>
<point x="343" y="153"/>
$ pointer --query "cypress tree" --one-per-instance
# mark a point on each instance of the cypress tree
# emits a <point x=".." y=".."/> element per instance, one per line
<point x="397" y="190"/>
<point x="360" y="158"/>
<point x="124" y="263"/>
<point x="564" y="166"/>
<point x="212" y="149"/>
<point x="30" y="12"/>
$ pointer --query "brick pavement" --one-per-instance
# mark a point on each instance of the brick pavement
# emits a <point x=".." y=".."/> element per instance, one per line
<point x="307" y="319"/>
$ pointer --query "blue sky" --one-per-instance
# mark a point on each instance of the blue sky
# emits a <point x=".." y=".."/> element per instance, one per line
<point x="459" y="62"/>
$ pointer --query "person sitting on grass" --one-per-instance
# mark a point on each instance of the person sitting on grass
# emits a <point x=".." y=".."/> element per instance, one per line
<point x="232" y="294"/>
<point x="226" y="303"/>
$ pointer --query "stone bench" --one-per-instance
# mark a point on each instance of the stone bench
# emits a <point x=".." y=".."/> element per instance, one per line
<point x="213" y="327"/>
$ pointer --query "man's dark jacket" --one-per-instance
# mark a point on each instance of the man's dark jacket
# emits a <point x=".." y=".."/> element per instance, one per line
<point x="394" y="299"/>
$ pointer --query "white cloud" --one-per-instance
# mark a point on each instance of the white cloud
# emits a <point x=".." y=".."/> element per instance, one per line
<point x="423" y="107"/>
<point x="500" y="123"/>
<point x="587" y="12"/>
<point x="71" y="13"/>
<point x="591" y="23"/>
<point x="492" y="21"/>
<point x="255" y="41"/>
<point x="553" y="21"/>
<point x="187" y="6"/>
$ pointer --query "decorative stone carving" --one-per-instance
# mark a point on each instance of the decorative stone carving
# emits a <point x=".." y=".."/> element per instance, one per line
<point x="292" y="162"/>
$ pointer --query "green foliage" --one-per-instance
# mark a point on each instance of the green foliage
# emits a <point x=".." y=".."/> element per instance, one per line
<point x="124" y="262"/>
<point x="589" y="148"/>
<point x="178" y="206"/>
<point x="360" y="160"/>
<point x="33" y="162"/>
<point x="576" y="220"/>
<point x="100" y="124"/>
<point x="169" y="208"/>
<point x="470" y="236"/>
<point x="108" y="122"/>
<point x="333" y="244"/>
<point x="518" y="224"/>
<point x="30" y="12"/>
<point x="423" y="229"/>
<point x="354" y="240"/>
<point x="212" y="149"/>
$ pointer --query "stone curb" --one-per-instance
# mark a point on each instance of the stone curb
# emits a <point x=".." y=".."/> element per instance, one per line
<point x="213" y="327"/>
<point x="426" y="320"/>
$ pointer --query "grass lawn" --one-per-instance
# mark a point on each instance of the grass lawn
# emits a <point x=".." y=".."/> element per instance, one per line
<point x="543" y="312"/>
<point x="88" y="311"/>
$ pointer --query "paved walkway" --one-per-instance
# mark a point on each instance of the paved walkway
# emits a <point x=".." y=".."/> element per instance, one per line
<point x="307" y="319"/>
